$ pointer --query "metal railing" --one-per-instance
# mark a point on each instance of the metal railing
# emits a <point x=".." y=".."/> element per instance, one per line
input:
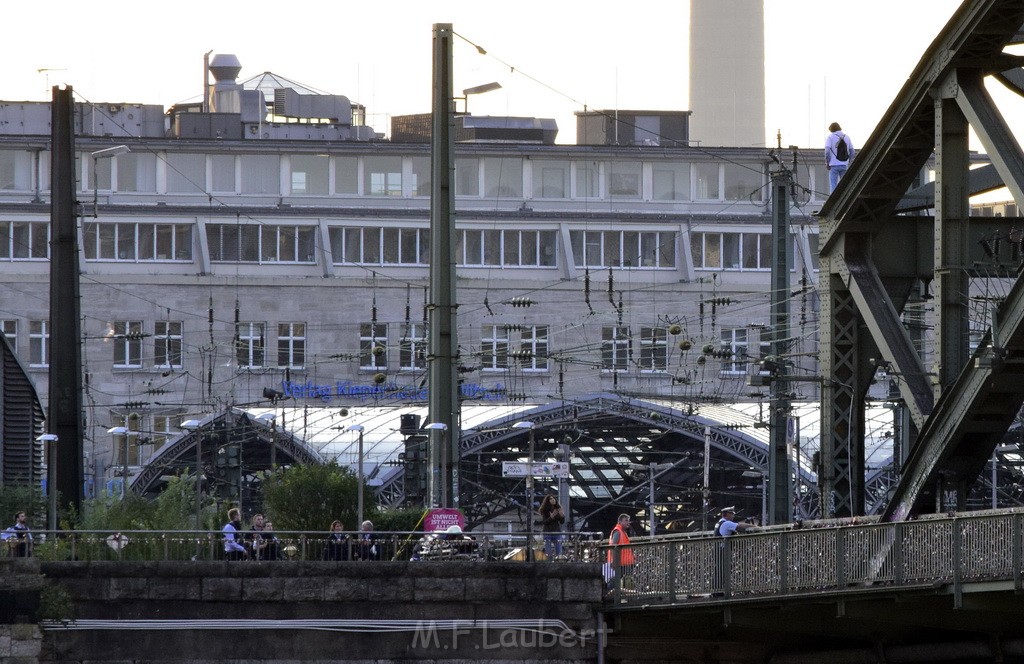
<point x="949" y="550"/>
<point x="285" y="546"/>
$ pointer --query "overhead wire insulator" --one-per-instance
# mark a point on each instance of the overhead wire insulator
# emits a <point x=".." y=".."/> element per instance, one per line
<point x="521" y="302"/>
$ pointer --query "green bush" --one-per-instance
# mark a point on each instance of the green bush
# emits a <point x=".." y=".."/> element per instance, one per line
<point x="310" y="497"/>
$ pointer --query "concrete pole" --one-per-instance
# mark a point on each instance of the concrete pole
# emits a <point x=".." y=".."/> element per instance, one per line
<point x="442" y="342"/>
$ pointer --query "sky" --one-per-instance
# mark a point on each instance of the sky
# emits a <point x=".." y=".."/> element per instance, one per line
<point x="826" y="60"/>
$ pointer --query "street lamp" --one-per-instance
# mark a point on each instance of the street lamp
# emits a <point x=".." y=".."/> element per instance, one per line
<point x="529" y="489"/>
<point x="105" y="153"/>
<point x="49" y="439"/>
<point x="193" y="425"/>
<point x="359" y="472"/>
<point x="477" y="90"/>
<point x="438" y="488"/>
<point x="126" y="432"/>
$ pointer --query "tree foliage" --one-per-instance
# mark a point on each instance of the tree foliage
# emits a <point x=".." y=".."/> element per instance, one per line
<point x="172" y="509"/>
<point x="310" y="497"/>
<point x="16" y="498"/>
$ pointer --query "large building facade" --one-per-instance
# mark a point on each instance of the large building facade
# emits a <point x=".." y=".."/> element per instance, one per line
<point x="219" y="262"/>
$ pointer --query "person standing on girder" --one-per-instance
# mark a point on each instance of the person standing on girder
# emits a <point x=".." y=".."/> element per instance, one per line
<point x="839" y="153"/>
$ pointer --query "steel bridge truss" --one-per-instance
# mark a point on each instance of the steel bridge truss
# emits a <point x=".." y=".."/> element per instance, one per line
<point x="878" y="255"/>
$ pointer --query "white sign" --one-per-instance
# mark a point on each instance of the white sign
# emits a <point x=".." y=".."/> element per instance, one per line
<point x="540" y="469"/>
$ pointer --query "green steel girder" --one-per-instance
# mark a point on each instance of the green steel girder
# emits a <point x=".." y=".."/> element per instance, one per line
<point x="977" y="396"/>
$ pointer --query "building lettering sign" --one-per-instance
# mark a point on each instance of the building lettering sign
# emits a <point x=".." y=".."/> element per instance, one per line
<point x="347" y="389"/>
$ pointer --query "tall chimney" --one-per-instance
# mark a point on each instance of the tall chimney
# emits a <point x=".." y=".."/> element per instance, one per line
<point x="727" y="72"/>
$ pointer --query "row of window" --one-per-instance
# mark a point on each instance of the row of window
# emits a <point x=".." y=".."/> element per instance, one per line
<point x="270" y="243"/>
<point x="501" y="346"/>
<point x="142" y="171"/>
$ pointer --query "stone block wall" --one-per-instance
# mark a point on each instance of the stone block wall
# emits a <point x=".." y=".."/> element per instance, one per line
<point x="324" y="611"/>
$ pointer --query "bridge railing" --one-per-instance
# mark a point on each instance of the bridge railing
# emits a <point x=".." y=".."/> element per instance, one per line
<point x="956" y="550"/>
<point x="284" y="546"/>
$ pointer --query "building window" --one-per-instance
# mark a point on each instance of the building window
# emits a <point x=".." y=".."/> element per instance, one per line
<point x="653" y="349"/>
<point x="420" y="184"/>
<point x="127" y="338"/>
<point x="251" y="243"/>
<point x="186" y="173"/>
<point x="261" y="174"/>
<point x="310" y="174"/>
<point x="382" y="176"/>
<point x="550" y="179"/>
<point x="222" y="173"/>
<point x="167" y="344"/>
<point x="291" y="345"/>
<point x="373" y="346"/>
<point x="137" y="242"/>
<point x="166" y="427"/>
<point x="137" y="172"/>
<point x="39" y="343"/>
<point x="503" y="177"/>
<point x="250" y="345"/>
<point x="731" y="251"/>
<point x="506" y="248"/>
<point x="646" y="249"/>
<point x="743" y="182"/>
<point x="624" y="179"/>
<point x="467" y="177"/>
<point x="24" y="240"/>
<point x="346" y="175"/>
<point x="16" y="170"/>
<point x="588" y="179"/>
<point x="671" y="182"/>
<point x="534" y="347"/>
<point x="413" y="348"/>
<point x="380" y="246"/>
<point x="615" y="348"/>
<point x="738" y="341"/>
<point x="707" y="181"/>
<point x="9" y="328"/>
<point x="494" y="348"/>
<point x="130" y="449"/>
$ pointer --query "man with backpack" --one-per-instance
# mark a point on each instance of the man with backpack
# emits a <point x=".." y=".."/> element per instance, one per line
<point x="838" y="155"/>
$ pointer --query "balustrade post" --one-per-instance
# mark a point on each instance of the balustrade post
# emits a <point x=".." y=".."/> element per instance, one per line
<point x="783" y="563"/>
<point x="897" y="553"/>
<point x="1015" y="552"/>
<point x="957" y="543"/>
<point x="672" y="551"/>
<point x="727" y="567"/>
<point x="840" y="544"/>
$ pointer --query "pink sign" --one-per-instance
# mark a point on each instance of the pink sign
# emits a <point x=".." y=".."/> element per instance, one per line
<point x="441" y="519"/>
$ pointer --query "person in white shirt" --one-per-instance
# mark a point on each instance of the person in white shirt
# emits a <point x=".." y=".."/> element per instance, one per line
<point x="233" y="549"/>
<point x="833" y="163"/>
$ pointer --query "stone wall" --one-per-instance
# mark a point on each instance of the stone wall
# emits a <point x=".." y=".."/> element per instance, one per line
<point x="320" y="611"/>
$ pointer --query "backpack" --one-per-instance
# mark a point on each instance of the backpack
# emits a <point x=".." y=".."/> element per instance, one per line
<point x="842" y="150"/>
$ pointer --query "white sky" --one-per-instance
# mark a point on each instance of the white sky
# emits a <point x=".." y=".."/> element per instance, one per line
<point x="596" y="52"/>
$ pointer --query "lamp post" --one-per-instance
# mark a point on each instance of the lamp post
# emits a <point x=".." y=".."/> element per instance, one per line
<point x="438" y="465"/>
<point x="106" y="153"/>
<point x="359" y="472"/>
<point x="529" y="488"/>
<point x="126" y="432"/>
<point x="193" y="425"/>
<point x="477" y="90"/>
<point x="764" y="492"/>
<point x="50" y="439"/>
<point x="271" y="418"/>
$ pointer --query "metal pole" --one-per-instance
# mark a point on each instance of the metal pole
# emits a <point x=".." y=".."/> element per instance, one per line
<point x="706" y="491"/>
<point x="650" y="499"/>
<point x="764" y="499"/>
<point x="778" y="457"/>
<point x="51" y="488"/>
<point x="995" y="503"/>
<point x="442" y="359"/>
<point x="199" y="481"/>
<point x="359" y="474"/>
<point x="124" y="466"/>
<point x="529" y="501"/>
